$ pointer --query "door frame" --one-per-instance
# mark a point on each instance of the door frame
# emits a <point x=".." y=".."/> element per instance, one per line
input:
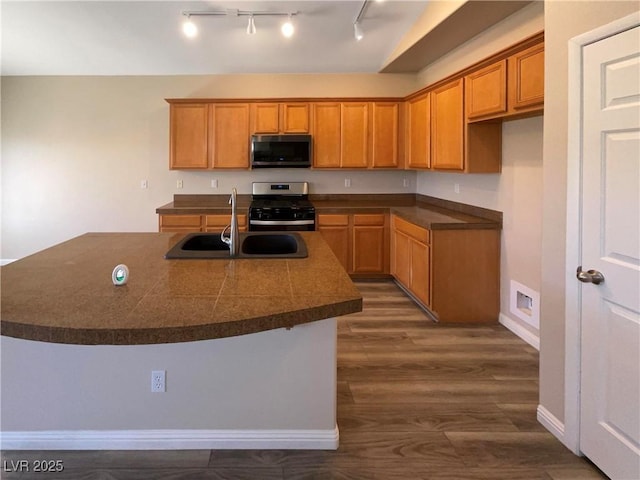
<point x="573" y="250"/>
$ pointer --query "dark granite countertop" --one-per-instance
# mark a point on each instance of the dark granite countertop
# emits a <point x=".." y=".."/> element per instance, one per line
<point x="64" y="294"/>
<point x="428" y="212"/>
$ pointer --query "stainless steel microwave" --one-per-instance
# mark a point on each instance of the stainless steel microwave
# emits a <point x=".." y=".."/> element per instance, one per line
<point x="280" y="151"/>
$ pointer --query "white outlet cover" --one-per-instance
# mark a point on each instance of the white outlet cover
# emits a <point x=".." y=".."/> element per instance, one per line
<point x="158" y="381"/>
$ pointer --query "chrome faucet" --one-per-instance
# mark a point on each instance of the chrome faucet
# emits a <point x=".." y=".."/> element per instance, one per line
<point x="233" y="239"/>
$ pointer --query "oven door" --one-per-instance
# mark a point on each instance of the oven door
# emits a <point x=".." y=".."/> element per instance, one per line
<point x="281" y="225"/>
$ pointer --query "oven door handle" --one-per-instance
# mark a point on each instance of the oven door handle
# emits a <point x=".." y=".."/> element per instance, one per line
<point x="282" y="222"/>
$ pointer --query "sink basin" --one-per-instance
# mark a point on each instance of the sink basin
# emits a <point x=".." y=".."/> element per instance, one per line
<point x="265" y="244"/>
<point x="205" y="242"/>
<point x="252" y="245"/>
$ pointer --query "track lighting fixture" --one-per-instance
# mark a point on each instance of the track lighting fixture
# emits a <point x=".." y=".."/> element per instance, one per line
<point x="251" y="27"/>
<point x="357" y="27"/>
<point x="357" y="31"/>
<point x="190" y="30"/>
<point x="287" y="28"/>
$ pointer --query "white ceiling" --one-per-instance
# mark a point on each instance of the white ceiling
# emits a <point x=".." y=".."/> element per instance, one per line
<point x="145" y="37"/>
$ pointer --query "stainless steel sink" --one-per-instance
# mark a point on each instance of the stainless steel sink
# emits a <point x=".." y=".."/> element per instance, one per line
<point x="252" y="245"/>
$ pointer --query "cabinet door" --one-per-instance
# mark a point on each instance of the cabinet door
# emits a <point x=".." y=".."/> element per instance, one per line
<point x="419" y="133"/>
<point x="420" y="271"/>
<point x="447" y="122"/>
<point x="354" y="150"/>
<point x="266" y="117"/>
<point x="369" y="249"/>
<point x="385" y="135"/>
<point x="326" y="135"/>
<point x="188" y="136"/>
<point x="335" y="231"/>
<point x="486" y="91"/>
<point x="295" y="118"/>
<point x="230" y="135"/>
<point x="180" y="223"/>
<point x="401" y="264"/>
<point x="526" y="79"/>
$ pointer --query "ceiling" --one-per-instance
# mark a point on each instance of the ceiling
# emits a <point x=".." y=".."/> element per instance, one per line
<point x="145" y="37"/>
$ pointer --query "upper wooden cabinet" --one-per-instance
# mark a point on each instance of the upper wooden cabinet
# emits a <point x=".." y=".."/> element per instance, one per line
<point x="447" y="126"/>
<point x="526" y="79"/>
<point x="354" y="137"/>
<point x="229" y="145"/>
<point x="326" y="135"/>
<point x="486" y="91"/>
<point x="356" y="134"/>
<point x="419" y="132"/>
<point x="274" y="118"/>
<point x="189" y="136"/>
<point x="385" y="134"/>
<point x="204" y="136"/>
<point x="340" y="135"/>
<point x="511" y="87"/>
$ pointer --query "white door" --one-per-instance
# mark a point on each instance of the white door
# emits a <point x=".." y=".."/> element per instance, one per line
<point x="610" y="351"/>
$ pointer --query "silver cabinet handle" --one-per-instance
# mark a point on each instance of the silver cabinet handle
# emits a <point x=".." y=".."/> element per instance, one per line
<point x="590" y="276"/>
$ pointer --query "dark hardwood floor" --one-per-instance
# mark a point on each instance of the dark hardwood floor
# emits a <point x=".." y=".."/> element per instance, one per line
<point x="416" y="400"/>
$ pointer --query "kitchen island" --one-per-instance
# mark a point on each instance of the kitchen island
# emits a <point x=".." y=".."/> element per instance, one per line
<point x="248" y="347"/>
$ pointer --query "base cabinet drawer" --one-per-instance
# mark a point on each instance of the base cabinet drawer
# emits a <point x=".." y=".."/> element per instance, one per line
<point x="180" y="223"/>
<point x="199" y="223"/>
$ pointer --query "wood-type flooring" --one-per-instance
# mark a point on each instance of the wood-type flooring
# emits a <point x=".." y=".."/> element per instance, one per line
<point x="416" y="400"/>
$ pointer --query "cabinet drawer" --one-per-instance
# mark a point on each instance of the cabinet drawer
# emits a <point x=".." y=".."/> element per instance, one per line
<point x="185" y="221"/>
<point x="368" y="219"/>
<point x="414" y="231"/>
<point x="327" y="219"/>
<point x="222" y="220"/>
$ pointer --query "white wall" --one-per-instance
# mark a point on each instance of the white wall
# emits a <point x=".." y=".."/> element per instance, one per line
<point x="517" y="191"/>
<point x="563" y="21"/>
<point x="75" y="149"/>
<point x="267" y="387"/>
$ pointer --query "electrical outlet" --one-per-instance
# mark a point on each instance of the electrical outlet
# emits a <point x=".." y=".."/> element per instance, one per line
<point x="158" y="381"/>
<point x="405" y="182"/>
<point x="347" y="182"/>
<point x="144" y="184"/>
<point x="179" y="184"/>
<point x="456" y="187"/>
<point x="214" y="183"/>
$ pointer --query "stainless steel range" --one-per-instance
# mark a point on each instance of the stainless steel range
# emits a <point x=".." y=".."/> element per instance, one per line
<point x="281" y="206"/>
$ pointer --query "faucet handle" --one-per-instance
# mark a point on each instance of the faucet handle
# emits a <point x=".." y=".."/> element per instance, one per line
<point x="226" y="240"/>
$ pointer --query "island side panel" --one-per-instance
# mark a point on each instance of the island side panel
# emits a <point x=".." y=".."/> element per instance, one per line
<point x="273" y="387"/>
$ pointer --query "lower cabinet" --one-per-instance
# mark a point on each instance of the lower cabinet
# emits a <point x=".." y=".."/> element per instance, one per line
<point x="454" y="273"/>
<point x="360" y="241"/>
<point x="198" y="223"/>
<point x="410" y="258"/>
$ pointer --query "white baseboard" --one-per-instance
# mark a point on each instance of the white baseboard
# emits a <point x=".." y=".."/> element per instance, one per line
<point x="520" y="331"/>
<point x="6" y="261"/>
<point x="551" y="423"/>
<point x="171" y="440"/>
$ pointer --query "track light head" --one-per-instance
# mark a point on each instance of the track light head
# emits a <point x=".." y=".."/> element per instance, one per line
<point x="251" y="26"/>
<point x="357" y="31"/>
<point x="189" y="28"/>
<point x="287" y="28"/>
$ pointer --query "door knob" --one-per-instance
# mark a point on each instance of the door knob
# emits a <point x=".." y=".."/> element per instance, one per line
<point x="590" y="276"/>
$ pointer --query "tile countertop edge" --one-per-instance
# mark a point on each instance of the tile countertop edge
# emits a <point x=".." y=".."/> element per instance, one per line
<point x="175" y="334"/>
